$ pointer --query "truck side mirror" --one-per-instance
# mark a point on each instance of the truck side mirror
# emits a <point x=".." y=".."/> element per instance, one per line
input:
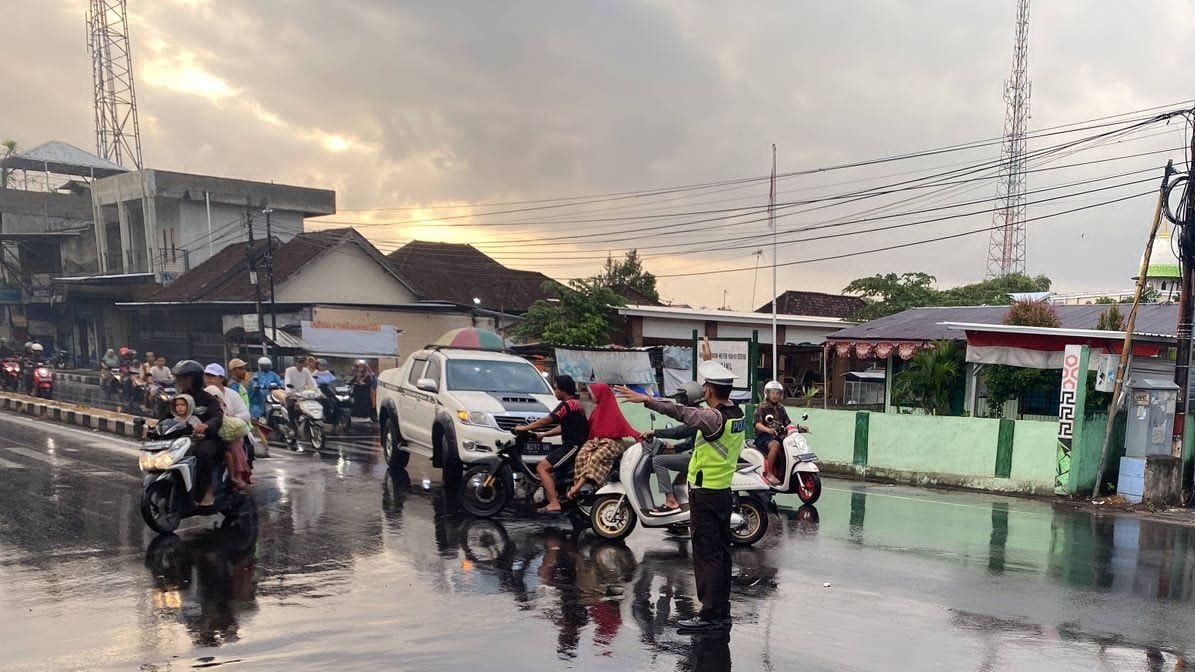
<point x="427" y="385"/>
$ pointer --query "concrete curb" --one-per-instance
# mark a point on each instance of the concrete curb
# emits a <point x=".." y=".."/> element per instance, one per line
<point x="110" y="422"/>
<point x="993" y="486"/>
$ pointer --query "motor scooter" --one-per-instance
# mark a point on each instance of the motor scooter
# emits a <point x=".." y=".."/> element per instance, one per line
<point x="338" y="405"/>
<point x="309" y="417"/>
<point x="798" y="464"/>
<point x="42" y="382"/>
<point x="10" y="369"/>
<point x="627" y="499"/>
<point x="169" y="493"/>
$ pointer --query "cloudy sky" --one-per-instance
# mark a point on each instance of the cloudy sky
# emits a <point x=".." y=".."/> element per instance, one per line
<point x="430" y="119"/>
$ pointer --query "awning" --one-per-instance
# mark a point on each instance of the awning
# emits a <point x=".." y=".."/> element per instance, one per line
<point x="286" y="341"/>
<point x="865" y="376"/>
<point x="1042" y="347"/>
<point x="877" y="349"/>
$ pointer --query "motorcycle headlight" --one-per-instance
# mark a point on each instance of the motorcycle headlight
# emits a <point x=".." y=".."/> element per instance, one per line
<point x="43" y="372"/>
<point x="161" y="461"/>
<point x="478" y="418"/>
<point x="312" y="408"/>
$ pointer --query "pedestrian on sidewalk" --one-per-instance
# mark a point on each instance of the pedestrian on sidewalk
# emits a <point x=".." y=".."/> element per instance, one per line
<point x="721" y="428"/>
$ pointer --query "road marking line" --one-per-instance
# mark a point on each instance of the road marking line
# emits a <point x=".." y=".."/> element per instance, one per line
<point x="9" y="464"/>
<point x="58" y="461"/>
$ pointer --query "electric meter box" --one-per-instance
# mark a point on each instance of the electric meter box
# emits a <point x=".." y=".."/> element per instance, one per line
<point x="1150" y="423"/>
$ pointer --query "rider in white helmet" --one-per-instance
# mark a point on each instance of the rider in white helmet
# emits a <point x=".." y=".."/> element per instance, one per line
<point x="675" y="457"/>
<point x="771" y="418"/>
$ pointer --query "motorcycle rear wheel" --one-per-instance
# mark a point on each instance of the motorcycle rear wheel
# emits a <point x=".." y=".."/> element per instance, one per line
<point x="160" y="507"/>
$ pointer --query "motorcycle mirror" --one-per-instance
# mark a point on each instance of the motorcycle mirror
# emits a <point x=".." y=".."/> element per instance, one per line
<point x="804" y="417"/>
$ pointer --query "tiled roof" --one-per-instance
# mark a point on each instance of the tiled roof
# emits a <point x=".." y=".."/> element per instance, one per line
<point x="923" y="324"/>
<point x="816" y="303"/>
<point x="459" y="273"/>
<point x="225" y="277"/>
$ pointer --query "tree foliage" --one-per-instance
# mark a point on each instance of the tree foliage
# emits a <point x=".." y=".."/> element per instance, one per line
<point x="628" y="272"/>
<point x="1032" y="314"/>
<point x="929" y="379"/>
<point x="581" y="314"/>
<point x="1110" y="319"/>
<point x="891" y="293"/>
<point x="7" y="149"/>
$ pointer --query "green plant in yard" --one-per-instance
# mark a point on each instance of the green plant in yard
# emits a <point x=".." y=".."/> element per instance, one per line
<point x="928" y="380"/>
<point x="1011" y="382"/>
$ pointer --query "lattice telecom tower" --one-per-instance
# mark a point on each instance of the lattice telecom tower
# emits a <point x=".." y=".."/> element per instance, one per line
<point x="117" y="133"/>
<point x="1006" y="252"/>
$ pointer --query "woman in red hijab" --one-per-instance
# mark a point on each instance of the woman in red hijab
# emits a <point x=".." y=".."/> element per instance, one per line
<point x="607" y="429"/>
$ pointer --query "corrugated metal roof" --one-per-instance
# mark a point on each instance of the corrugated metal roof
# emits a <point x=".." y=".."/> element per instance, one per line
<point x="64" y="159"/>
<point x="925" y="324"/>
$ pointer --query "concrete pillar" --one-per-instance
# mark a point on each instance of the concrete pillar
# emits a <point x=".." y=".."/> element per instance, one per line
<point x="100" y="228"/>
<point x="149" y="216"/>
<point x="126" y="237"/>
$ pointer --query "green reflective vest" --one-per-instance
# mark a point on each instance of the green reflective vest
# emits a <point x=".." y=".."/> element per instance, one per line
<point x="714" y="460"/>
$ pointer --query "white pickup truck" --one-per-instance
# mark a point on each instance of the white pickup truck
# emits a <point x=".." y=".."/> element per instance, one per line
<point x="454" y="405"/>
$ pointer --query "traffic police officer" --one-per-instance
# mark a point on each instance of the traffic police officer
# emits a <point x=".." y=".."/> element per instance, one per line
<point x="721" y="430"/>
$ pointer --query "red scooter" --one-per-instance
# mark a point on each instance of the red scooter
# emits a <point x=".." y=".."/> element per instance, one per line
<point x="10" y="374"/>
<point x="43" y="382"/>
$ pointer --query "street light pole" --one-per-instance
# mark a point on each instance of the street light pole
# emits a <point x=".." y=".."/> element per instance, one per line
<point x="270" y="272"/>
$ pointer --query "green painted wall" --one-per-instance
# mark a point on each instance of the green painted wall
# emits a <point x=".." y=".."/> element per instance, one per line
<point x="933" y="444"/>
<point x="912" y="447"/>
<point x="1034" y="452"/>
<point x="831" y="433"/>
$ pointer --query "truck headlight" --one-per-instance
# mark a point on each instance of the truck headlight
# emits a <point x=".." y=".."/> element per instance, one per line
<point x="477" y="418"/>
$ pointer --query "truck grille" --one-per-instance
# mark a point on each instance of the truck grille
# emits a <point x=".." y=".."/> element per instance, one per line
<point x="509" y="422"/>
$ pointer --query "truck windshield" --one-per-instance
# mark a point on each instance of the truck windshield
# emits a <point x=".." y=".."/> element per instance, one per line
<point x="476" y="375"/>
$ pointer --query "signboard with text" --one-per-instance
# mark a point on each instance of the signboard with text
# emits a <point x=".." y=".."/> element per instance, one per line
<point x="734" y="354"/>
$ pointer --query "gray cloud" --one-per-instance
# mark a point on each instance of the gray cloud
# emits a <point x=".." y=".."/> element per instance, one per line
<point x="480" y="101"/>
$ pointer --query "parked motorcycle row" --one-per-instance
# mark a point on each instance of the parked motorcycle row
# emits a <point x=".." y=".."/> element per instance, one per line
<point x="614" y="510"/>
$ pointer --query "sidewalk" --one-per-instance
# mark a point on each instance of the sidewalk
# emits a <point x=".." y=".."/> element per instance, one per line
<point x="97" y="419"/>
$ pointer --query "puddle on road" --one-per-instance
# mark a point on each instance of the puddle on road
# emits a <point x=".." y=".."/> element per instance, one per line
<point x="368" y="572"/>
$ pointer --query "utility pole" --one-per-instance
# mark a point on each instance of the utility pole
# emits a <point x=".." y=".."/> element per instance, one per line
<point x="270" y="273"/>
<point x="251" y="258"/>
<point x="1182" y="363"/>
<point x="775" y="265"/>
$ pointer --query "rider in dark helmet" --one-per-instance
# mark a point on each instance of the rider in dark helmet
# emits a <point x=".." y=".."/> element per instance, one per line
<point x="208" y="449"/>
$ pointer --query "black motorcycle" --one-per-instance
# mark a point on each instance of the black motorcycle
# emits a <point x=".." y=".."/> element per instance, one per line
<point x="338" y="406"/>
<point x="489" y="486"/>
<point x="169" y="483"/>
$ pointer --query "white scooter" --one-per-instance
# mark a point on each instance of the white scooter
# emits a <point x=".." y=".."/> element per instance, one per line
<point x="627" y="499"/>
<point x="798" y="463"/>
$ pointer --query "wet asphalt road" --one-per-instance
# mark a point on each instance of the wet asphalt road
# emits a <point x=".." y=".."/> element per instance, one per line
<point x="357" y="569"/>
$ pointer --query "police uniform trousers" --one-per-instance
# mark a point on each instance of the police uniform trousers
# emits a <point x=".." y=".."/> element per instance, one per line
<point x="709" y="520"/>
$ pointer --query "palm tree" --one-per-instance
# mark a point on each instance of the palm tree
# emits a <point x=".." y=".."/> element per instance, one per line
<point x="9" y="148"/>
<point x="929" y="379"/>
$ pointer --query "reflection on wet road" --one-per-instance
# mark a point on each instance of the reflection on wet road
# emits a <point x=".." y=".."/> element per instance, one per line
<point x="356" y="568"/>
